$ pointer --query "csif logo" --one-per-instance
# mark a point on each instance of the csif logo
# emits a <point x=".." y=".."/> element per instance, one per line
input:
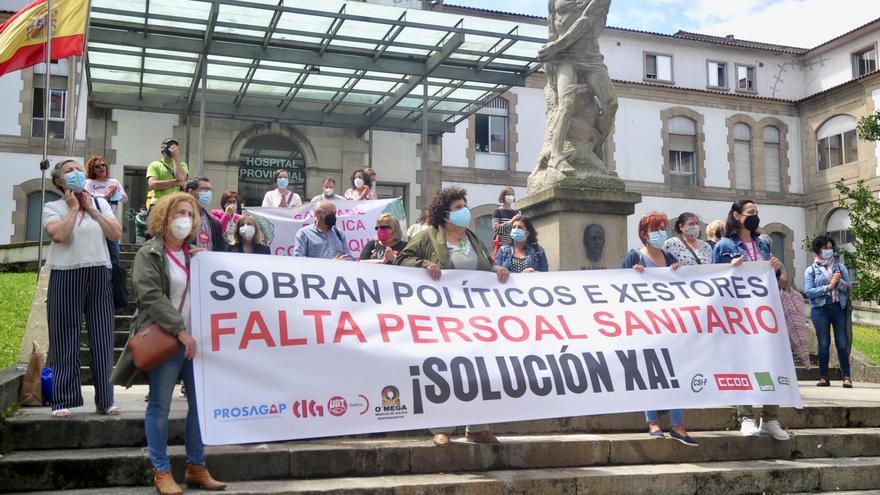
<point x="698" y="382"/>
<point x="733" y="381"/>
<point x="305" y="408"/>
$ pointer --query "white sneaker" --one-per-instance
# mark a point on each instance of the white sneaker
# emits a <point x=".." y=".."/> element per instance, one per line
<point x="774" y="429"/>
<point x="748" y="428"/>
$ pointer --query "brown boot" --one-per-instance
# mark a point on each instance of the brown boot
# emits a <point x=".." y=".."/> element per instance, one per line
<point x="165" y="483"/>
<point x="481" y="437"/>
<point x="441" y="439"/>
<point x="199" y="477"/>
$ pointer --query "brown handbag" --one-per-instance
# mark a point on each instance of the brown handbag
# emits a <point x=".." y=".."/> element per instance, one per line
<point x="151" y="345"/>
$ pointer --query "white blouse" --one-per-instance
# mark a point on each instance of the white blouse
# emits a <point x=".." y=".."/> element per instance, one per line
<point x="272" y="199"/>
<point x="86" y="246"/>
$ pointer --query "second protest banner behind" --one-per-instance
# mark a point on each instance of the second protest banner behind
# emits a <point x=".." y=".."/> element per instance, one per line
<point x="300" y="348"/>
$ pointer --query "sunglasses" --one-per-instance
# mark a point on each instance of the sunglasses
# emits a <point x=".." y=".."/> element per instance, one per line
<point x="383" y="227"/>
<point x="100" y="165"/>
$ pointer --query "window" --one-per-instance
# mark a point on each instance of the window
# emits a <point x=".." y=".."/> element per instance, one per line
<point x="777" y="245"/>
<point x="57" y="113"/>
<point x="742" y="155"/>
<point x="389" y="191"/>
<point x="682" y="151"/>
<point x="491" y="127"/>
<point x="35" y="215"/>
<point x="864" y="62"/>
<point x="836" y="142"/>
<point x="838" y="228"/>
<point x="745" y="78"/>
<point x="717" y="75"/>
<point x="772" y="160"/>
<point x="658" y="67"/>
<point x="260" y="157"/>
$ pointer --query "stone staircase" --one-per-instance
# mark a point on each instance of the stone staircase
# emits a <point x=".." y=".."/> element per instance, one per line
<point x="835" y="446"/>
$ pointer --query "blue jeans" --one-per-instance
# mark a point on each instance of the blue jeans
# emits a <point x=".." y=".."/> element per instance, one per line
<point x="676" y="417"/>
<point x="824" y="317"/>
<point x="162" y="380"/>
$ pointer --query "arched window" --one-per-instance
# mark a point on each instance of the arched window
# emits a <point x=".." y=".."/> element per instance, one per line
<point x="682" y="151"/>
<point x="777" y="245"/>
<point x="772" y="160"/>
<point x="35" y="215"/>
<point x="838" y="227"/>
<point x="742" y="155"/>
<point x="258" y="161"/>
<point x="836" y="142"/>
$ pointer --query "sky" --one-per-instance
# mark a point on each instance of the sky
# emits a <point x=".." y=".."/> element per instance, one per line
<point x="801" y="23"/>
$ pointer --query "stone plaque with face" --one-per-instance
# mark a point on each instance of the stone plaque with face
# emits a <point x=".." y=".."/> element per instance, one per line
<point x="594" y="241"/>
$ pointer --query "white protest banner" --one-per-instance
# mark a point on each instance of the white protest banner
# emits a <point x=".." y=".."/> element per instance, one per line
<point x="299" y="348"/>
<point x="356" y="219"/>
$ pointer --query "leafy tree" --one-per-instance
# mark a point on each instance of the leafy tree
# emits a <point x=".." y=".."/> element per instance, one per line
<point x="864" y="212"/>
<point x="868" y="128"/>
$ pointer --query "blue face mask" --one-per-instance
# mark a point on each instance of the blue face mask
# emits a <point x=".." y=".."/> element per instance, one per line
<point x="205" y="198"/>
<point x="657" y="238"/>
<point x="75" y="180"/>
<point x="518" y="235"/>
<point x="827" y="254"/>
<point x="283" y="182"/>
<point x="461" y="218"/>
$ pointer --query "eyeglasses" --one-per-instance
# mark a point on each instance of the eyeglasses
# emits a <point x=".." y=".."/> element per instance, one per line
<point x="100" y="165"/>
<point x="383" y="227"/>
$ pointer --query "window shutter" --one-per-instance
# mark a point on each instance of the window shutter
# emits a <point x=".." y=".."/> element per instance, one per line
<point x="743" y="164"/>
<point x="772" y="172"/>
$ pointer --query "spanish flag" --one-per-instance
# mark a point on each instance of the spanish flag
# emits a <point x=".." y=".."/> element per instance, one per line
<point x="23" y="36"/>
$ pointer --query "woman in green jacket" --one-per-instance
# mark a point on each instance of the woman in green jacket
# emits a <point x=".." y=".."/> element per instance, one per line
<point x="161" y="278"/>
<point x="448" y="244"/>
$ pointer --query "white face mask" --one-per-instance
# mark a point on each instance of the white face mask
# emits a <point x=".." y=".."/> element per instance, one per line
<point x="328" y="191"/>
<point x="247" y="231"/>
<point x="510" y="198"/>
<point x="181" y="227"/>
<point x="358" y="182"/>
<point x="692" y="230"/>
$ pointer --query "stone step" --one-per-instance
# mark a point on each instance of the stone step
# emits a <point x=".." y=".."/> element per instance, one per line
<point x="33" y="428"/>
<point x="703" y="478"/>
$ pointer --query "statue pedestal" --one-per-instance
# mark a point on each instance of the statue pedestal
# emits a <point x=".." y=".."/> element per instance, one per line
<point x="561" y="214"/>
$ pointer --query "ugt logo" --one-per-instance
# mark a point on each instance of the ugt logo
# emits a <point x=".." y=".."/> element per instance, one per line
<point x="305" y="408"/>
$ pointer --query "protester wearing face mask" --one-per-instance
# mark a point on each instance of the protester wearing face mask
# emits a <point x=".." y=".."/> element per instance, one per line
<point x="652" y="233"/>
<point x="827" y="284"/>
<point x="322" y="239"/>
<point x="161" y="278"/>
<point x="361" y="187"/>
<point x="328" y="191"/>
<point x="449" y="245"/>
<point x="385" y="247"/>
<point x="523" y="254"/>
<point x="741" y="243"/>
<point x="79" y="286"/>
<point x="248" y="236"/>
<point x="714" y="232"/>
<point x="228" y="214"/>
<point x="687" y="248"/>
<point x="281" y="196"/>
<point x="210" y="236"/>
<point x="503" y="218"/>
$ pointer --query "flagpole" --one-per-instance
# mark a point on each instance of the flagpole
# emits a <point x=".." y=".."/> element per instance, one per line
<point x="47" y="102"/>
<point x="78" y="87"/>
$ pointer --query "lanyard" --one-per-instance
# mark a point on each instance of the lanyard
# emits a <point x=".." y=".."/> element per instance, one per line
<point x="288" y="198"/>
<point x="176" y="261"/>
<point x="752" y="253"/>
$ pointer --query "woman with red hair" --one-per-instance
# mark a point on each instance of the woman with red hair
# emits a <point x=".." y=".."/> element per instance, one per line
<point x="652" y="233"/>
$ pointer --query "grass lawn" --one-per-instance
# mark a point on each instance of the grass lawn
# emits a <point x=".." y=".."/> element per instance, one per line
<point x="16" y="293"/>
<point x="867" y="341"/>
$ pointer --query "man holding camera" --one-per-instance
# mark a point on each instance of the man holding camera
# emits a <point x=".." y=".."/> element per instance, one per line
<point x="168" y="175"/>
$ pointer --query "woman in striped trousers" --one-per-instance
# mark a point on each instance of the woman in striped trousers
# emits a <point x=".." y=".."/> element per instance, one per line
<point x="79" y="285"/>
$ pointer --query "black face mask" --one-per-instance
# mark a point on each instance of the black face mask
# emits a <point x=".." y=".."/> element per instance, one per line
<point x="752" y="223"/>
<point x="330" y="220"/>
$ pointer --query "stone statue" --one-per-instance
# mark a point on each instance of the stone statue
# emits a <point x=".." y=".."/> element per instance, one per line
<point x="594" y="241"/>
<point x="580" y="97"/>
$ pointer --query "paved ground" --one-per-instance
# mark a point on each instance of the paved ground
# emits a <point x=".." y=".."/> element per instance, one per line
<point x="862" y="394"/>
